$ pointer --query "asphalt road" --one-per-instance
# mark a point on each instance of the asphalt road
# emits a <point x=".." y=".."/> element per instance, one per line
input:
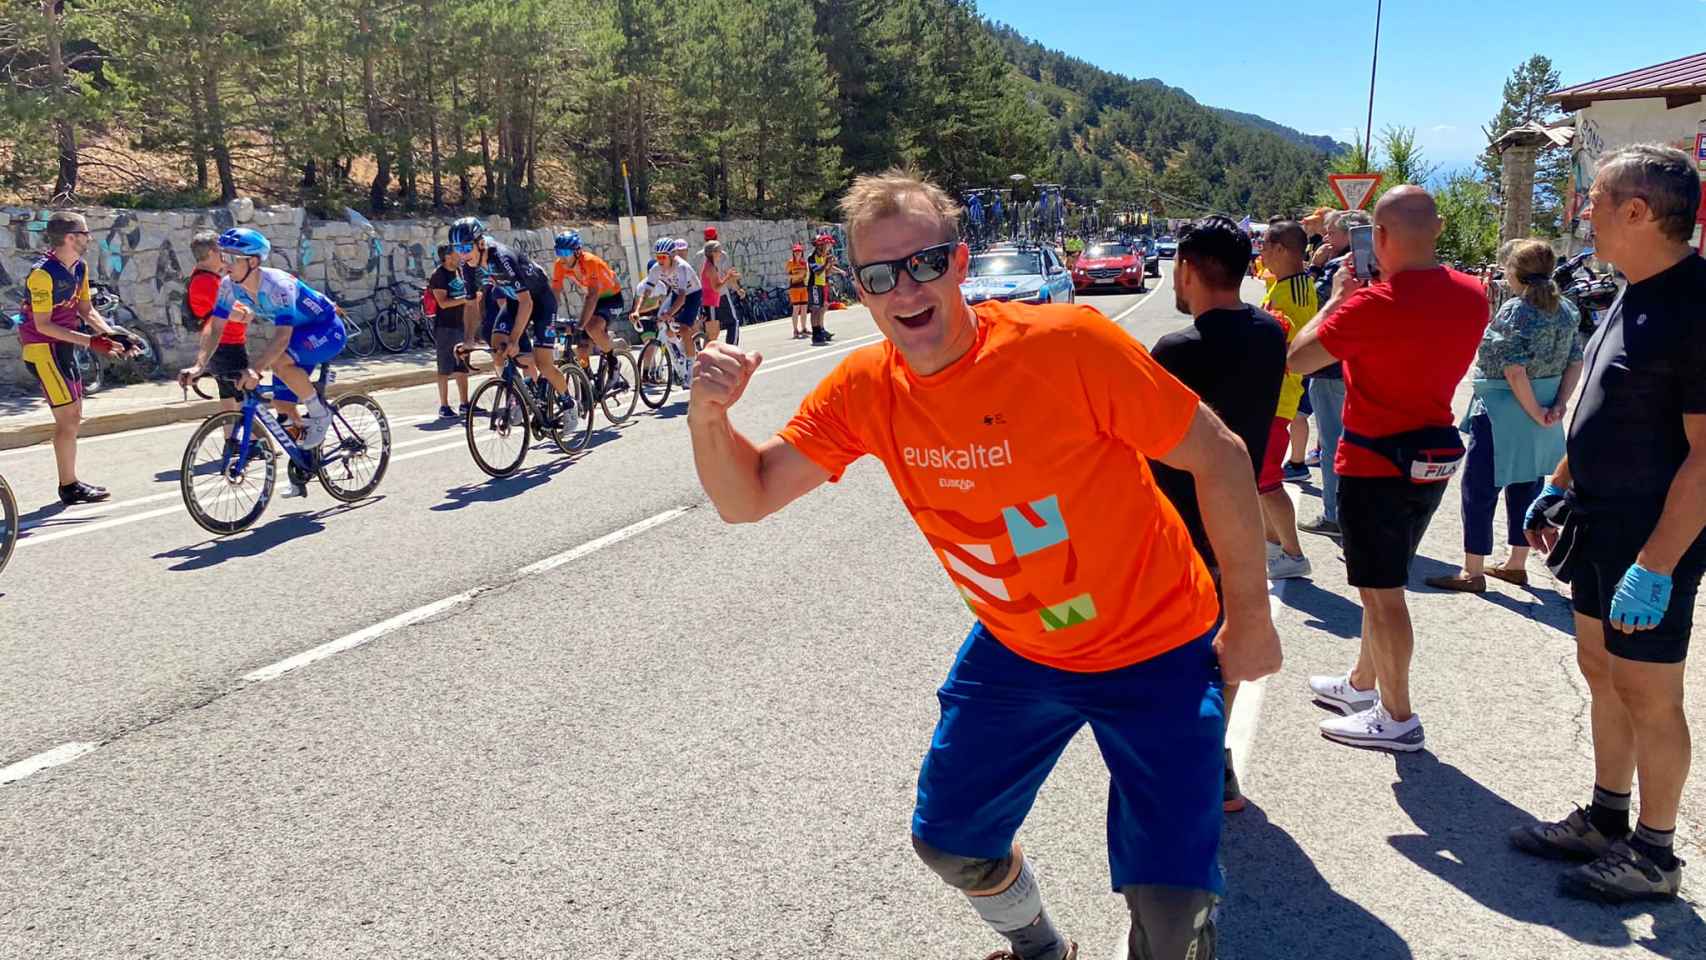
<point x="574" y="714"/>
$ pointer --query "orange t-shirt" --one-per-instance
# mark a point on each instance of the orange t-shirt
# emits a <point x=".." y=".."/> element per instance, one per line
<point x="1026" y="466"/>
<point x="590" y="271"/>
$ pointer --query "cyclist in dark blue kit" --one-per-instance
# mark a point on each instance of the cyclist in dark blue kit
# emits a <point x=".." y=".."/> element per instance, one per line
<point x="519" y="304"/>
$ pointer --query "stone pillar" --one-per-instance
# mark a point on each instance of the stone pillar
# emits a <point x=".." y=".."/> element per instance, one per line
<point x="1516" y="174"/>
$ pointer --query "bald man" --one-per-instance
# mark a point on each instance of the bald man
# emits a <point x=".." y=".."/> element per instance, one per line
<point x="1406" y="337"/>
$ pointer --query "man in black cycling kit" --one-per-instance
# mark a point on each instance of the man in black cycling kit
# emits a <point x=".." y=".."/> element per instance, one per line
<point x="519" y="304"/>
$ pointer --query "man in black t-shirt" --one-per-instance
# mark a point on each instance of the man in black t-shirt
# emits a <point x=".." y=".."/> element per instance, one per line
<point x="455" y="290"/>
<point x="1631" y="498"/>
<point x="1233" y="357"/>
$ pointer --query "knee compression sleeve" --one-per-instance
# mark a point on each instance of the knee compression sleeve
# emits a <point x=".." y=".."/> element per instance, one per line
<point x="964" y="873"/>
<point x="1170" y="923"/>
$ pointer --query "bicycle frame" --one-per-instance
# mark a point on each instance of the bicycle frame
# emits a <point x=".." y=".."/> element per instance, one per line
<point x="255" y="407"/>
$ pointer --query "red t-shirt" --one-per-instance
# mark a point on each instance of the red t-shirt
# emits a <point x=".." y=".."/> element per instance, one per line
<point x="203" y="293"/>
<point x="1406" y="344"/>
<point x="1025" y="464"/>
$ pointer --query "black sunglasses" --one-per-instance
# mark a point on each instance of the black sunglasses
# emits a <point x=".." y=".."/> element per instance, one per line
<point x="924" y="266"/>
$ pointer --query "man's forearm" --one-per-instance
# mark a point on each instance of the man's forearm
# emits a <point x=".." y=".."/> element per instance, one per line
<point x="1232" y="518"/>
<point x="204" y="346"/>
<point x="1561" y="476"/>
<point x="1683" y="518"/>
<point x="729" y="466"/>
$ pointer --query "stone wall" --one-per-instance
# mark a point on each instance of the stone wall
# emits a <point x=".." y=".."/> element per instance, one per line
<point x="145" y="256"/>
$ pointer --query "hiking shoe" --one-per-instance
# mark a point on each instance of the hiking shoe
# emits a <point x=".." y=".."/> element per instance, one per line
<point x="1294" y="472"/>
<point x="1337" y="692"/>
<point x="1623" y="873"/>
<point x="1376" y="729"/>
<point x="1070" y="954"/>
<point x="1287" y="567"/>
<point x="1572" y="838"/>
<point x="444" y="412"/>
<point x="77" y="492"/>
<point x="1322" y="526"/>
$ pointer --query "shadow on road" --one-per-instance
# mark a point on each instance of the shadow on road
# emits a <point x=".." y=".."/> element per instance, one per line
<point x="257" y="540"/>
<point x="1279" y="905"/>
<point x="495" y="490"/>
<point x="1327" y="610"/>
<point x="1463" y="843"/>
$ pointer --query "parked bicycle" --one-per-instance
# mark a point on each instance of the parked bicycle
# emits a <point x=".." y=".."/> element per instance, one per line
<point x="360" y="340"/>
<point x="508" y="412"/>
<point x="229" y="468"/>
<point x="8" y="523"/>
<point x="402" y="323"/>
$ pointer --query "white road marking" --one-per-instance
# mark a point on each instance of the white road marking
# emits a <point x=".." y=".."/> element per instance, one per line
<point x="1128" y="311"/>
<point x="64" y="753"/>
<point x="67" y="752"/>
<point x="38" y="539"/>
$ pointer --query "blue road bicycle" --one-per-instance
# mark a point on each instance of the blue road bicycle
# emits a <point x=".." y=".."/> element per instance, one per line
<point x="230" y="467"/>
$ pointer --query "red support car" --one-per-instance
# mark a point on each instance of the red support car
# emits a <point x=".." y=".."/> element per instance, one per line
<point x="1109" y="264"/>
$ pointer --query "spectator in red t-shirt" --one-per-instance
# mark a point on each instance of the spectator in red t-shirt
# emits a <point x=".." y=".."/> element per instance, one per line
<point x="224" y="345"/>
<point x="1406" y="340"/>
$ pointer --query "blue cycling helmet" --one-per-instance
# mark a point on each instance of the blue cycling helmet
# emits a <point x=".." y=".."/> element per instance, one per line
<point x="665" y="245"/>
<point x="568" y="243"/>
<point x="467" y="230"/>
<point x="246" y="241"/>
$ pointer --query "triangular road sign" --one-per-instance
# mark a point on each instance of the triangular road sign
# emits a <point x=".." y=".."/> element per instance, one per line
<point x="1353" y="189"/>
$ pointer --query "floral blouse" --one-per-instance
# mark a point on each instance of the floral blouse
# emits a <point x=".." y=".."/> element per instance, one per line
<point x="1540" y="342"/>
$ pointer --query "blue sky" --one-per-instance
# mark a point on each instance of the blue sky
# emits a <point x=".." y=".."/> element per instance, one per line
<point x="1443" y="63"/>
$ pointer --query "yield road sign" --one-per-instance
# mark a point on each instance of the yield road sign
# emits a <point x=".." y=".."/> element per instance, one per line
<point x="1353" y="189"/>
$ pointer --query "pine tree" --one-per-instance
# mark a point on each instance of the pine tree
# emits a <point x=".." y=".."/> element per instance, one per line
<point x="1525" y="102"/>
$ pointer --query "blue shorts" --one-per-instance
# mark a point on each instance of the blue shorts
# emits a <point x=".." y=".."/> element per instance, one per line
<point x="1160" y="725"/>
<point x="310" y="346"/>
<point x="500" y="319"/>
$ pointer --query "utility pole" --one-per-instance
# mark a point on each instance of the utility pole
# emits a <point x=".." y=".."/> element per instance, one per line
<point x="1368" y="130"/>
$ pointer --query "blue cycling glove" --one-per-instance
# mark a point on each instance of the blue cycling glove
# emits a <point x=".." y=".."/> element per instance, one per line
<point x="1551" y="508"/>
<point x="1641" y="598"/>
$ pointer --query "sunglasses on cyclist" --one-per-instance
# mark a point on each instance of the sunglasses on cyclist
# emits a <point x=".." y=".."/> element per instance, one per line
<point x="924" y="266"/>
<point x="462" y="247"/>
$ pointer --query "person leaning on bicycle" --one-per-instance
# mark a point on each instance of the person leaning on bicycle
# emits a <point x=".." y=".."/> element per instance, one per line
<point x="602" y="295"/>
<point x="56" y="304"/>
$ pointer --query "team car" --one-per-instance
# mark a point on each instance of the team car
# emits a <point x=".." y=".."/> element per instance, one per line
<point x="1113" y="264"/>
<point x="1167" y="247"/>
<point x="1023" y="274"/>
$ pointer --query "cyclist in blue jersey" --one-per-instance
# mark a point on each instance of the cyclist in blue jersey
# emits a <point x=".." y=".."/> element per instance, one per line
<point x="519" y="305"/>
<point x="307" y="330"/>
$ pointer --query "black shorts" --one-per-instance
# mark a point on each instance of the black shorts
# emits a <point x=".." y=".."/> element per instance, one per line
<point x="544" y="315"/>
<point x="814" y="296"/>
<point x="1383" y="519"/>
<point x="229" y="360"/>
<point x="498" y="321"/>
<point x="445" y="341"/>
<point x="1607" y="542"/>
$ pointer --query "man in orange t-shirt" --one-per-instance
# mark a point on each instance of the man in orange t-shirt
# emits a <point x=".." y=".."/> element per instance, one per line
<point x="1020" y="440"/>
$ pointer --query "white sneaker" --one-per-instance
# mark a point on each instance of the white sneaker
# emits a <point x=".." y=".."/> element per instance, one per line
<point x="1287" y="567"/>
<point x="293" y="491"/>
<point x="314" y="427"/>
<point x="1338" y="693"/>
<point x="1375" y="728"/>
<point x="1274" y="550"/>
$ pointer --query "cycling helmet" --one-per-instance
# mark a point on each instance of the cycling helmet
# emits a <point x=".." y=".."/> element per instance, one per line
<point x="664" y="245"/>
<point x="245" y="241"/>
<point x="467" y="230"/>
<point x="568" y="243"/>
<point x="678" y="244"/>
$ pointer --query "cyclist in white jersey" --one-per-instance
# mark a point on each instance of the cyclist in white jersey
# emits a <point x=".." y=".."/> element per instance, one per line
<point x="673" y="277"/>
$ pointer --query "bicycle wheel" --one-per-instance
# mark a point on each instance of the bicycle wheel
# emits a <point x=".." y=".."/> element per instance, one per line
<point x="655" y="377"/>
<point x="361" y="342"/>
<point x="621" y="391"/>
<point x="88" y="364"/>
<point x="222" y="496"/>
<point x="573" y="410"/>
<point x="393" y="330"/>
<point x="497" y="428"/>
<point x="8" y="523"/>
<point x="356" y="452"/>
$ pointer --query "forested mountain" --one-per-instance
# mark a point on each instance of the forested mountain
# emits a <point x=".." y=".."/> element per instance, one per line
<point x="1313" y="141"/>
<point x="534" y="107"/>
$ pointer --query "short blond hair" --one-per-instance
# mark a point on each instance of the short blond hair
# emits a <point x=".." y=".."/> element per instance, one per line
<point x="875" y="196"/>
